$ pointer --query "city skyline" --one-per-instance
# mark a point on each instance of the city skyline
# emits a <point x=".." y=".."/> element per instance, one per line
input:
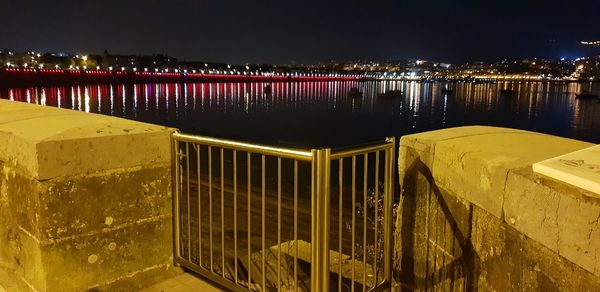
<point x="586" y="68"/>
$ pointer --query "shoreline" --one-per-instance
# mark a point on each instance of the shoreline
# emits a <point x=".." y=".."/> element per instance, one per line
<point x="11" y="77"/>
<point x="47" y="77"/>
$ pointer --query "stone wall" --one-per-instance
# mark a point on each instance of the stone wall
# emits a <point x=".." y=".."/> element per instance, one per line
<point x="474" y="216"/>
<point x="85" y="200"/>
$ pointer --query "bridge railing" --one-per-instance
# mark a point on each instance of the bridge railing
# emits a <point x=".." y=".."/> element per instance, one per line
<point x="255" y="217"/>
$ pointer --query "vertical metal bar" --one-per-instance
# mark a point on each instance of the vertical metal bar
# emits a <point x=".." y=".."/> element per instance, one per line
<point x="340" y="220"/>
<point x="264" y="256"/>
<point x="376" y="270"/>
<point x="199" y="204"/>
<point x="314" y="221"/>
<point x="279" y="223"/>
<point x="325" y="213"/>
<point x="223" y="212"/>
<point x="320" y="226"/>
<point x="187" y="193"/>
<point x="176" y="200"/>
<point x="210" y="217"/>
<point x="353" y="218"/>
<point x="249" y="183"/>
<point x="296" y="224"/>
<point x="365" y="208"/>
<point x="235" y="245"/>
<point x="388" y="201"/>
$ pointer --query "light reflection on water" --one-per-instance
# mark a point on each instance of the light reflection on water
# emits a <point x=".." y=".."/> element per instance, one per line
<point x="324" y="113"/>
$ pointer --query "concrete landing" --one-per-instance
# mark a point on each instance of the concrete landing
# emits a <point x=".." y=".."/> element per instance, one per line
<point x="182" y="283"/>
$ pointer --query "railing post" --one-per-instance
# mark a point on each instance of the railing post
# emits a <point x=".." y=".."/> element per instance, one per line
<point x="176" y="203"/>
<point x="321" y="180"/>
<point x="388" y="202"/>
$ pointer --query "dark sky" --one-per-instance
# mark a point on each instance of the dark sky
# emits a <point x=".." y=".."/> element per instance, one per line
<point x="283" y="31"/>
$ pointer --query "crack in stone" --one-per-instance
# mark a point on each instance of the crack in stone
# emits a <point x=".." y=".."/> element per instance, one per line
<point x="593" y="228"/>
<point x="557" y="227"/>
<point x="504" y="190"/>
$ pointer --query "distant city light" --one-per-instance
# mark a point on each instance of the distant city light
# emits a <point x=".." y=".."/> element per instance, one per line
<point x="566" y="68"/>
<point x="590" y="43"/>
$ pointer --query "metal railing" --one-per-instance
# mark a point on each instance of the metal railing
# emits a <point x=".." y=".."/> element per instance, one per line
<point x="271" y="211"/>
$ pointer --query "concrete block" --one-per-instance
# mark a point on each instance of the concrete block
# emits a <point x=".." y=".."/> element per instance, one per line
<point x="526" y="233"/>
<point x="95" y="260"/>
<point x="532" y="208"/>
<point x="52" y="142"/>
<point x="85" y="200"/>
<point x="579" y="232"/>
<point x="86" y="203"/>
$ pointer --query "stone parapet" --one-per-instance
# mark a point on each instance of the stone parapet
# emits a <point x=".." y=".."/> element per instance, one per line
<point x="474" y="214"/>
<point x="85" y="200"/>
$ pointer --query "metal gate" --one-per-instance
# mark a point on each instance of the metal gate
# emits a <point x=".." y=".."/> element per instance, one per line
<point x="257" y="218"/>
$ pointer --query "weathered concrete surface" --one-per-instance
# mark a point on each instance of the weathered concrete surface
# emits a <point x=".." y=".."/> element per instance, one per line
<point x="85" y="200"/>
<point x="474" y="215"/>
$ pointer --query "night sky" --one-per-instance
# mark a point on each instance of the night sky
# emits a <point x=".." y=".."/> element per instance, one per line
<point x="287" y="31"/>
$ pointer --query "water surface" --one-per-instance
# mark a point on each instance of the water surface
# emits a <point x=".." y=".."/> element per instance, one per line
<point x="313" y="114"/>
